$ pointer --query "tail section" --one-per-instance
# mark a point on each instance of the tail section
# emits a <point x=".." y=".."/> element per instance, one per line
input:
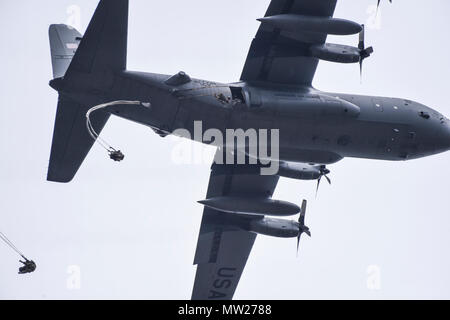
<point x="64" y="41"/>
<point x="71" y="140"/>
<point x="101" y="50"/>
<point x="104" y="45"/>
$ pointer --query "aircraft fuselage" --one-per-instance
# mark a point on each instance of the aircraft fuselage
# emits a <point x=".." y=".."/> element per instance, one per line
<point x="314" y="126"/>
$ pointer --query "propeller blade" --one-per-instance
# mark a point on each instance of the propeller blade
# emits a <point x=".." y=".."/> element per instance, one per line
<point x="301" y="231"/>
<point x="363" y="51"/>
<point x="323" y="173"/>
<point x="318" y="185"/>
<point x="368" y="51"/>
<point x="361" y="69"/>
<point x="301" y="219"/>
<point x="301" y="224"/>
<point x="362" y="38"/>
<point x="378" y="5"/>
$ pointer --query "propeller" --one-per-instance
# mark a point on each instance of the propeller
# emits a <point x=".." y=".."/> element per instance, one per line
<point x="323" y="173"/>
<point x="378" y="4"/>
<point x="301" y="225"/>
<point x="363" y="51"/>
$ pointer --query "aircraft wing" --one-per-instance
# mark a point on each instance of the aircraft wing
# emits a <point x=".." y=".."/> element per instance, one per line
<point x="223" y="248"/>
<point x="281" y="56"/>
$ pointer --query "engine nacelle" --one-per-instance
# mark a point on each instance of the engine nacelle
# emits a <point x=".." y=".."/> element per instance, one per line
<point x="299" y="171"/>
<point x="252" y="206"/>
<point x="299" y="23"/>
<point x="336" y="53"/>
<point x="274" y="227"/>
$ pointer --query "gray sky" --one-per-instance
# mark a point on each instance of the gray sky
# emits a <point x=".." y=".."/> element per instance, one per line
<point x="131" y="228"/>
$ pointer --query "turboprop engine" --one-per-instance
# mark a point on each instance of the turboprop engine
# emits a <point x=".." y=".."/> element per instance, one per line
<point x="252" y="206"/>
<point x="281" y="228"/>
<point x="302" y="171"/>
<point x="271" y="227"/>
<point x="326" y="25"/>
<point x="251" y="215"/>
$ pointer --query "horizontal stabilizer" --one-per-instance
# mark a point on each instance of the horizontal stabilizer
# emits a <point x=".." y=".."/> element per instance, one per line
<point x="71" y="140"/>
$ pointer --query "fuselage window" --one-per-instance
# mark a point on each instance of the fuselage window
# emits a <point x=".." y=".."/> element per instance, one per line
<point x="378" y="107"/>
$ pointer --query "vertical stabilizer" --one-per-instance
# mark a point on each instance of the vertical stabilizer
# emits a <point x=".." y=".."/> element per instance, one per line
<point x="64" y="41"/>
<point x="104" y="45"/>
<point x="101" y="50"/>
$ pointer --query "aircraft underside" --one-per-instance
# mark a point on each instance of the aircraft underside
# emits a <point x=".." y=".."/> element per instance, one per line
<point x="271" y="119"/>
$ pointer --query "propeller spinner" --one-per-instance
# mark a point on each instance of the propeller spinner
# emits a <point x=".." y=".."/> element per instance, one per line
<point x="301" y="225"/>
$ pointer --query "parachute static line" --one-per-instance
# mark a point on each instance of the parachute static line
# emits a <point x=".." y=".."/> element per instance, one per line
<point x="114" y="154"/>
<point x="9" y="243"/>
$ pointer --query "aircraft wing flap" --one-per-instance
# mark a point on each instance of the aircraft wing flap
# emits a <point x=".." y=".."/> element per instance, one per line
<point x="218" y="280"/>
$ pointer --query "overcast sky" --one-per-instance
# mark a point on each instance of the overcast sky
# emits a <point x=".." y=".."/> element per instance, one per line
<point x="129" y="230"/>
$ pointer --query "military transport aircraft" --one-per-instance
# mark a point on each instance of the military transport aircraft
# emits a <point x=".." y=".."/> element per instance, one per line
<point x="275" y="92"/>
